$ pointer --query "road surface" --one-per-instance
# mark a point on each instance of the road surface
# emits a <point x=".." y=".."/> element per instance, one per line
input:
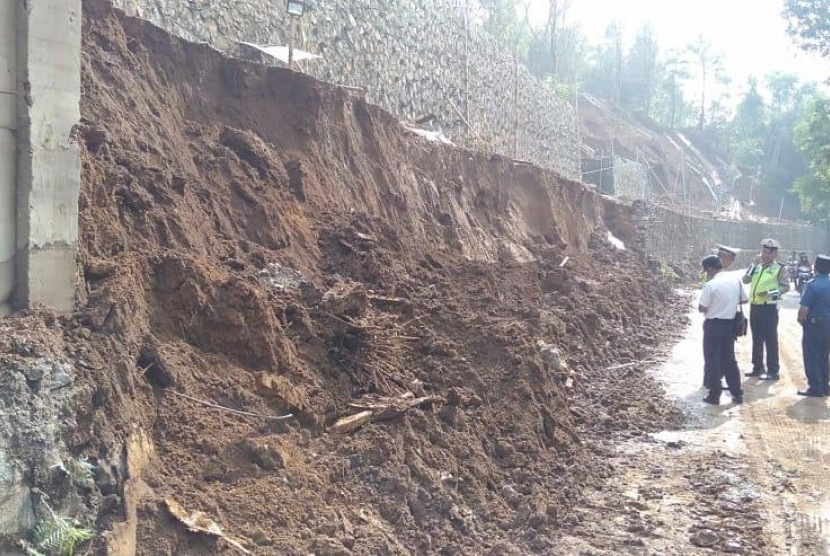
<point x="749" y="479"/>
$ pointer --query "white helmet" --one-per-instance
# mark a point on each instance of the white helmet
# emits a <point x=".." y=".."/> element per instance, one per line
<point x="770" y="243"/>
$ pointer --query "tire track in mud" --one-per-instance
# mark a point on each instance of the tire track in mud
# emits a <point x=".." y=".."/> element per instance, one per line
<point x="788" y="442"/>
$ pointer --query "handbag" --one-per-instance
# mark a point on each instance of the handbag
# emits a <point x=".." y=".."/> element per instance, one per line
<point x="740" y="319"/>
<point x="740" y="323"/>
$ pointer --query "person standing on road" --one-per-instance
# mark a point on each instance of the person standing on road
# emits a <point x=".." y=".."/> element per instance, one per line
<point x="719" y="302"/>
<point x="768" y="281"/>
<point x="814" y="316"/>
<point x="726" y="255"/>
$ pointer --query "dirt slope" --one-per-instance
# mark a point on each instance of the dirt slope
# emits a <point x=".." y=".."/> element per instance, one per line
<point x="676" y="159"/>
<point x="265" y="242"/>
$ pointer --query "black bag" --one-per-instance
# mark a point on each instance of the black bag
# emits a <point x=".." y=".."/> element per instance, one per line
<point x="740" y="323"/>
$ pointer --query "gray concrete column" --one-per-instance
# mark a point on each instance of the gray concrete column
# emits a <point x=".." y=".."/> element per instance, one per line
<point x="8" y="151"/>
<point x="48" y="161"/>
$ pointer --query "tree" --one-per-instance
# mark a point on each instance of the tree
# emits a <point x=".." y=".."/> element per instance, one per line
<point x="559" y="50"/>
<point x="782" y="161"/>
<point x="808" y="22"/>
<point x="749" y="128"/>
<point x="709" y="64"/>
<point x="604" y="77"/>
<point x="553" y="24"/>
<point x="718" y="127"/>
<point x="614" y="36"/>
<point x="500" y="19"/>
<point x="813" y="138"/>
<point x="669" y="104"/>
<point x="572" y="54"/>
<point x="641" y="70"/>
<point x="783" y="88"/>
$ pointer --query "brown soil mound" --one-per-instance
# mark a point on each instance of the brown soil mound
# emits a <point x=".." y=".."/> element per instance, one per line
<point x="261" y="241"/>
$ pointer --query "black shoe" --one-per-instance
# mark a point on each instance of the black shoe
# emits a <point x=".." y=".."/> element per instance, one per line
<point x="737" y="400"/>
<point x="810" y="393"/>
<point x="712" y="400"/>
<point x="770" y="376"/>
<point x="754" y="374"/>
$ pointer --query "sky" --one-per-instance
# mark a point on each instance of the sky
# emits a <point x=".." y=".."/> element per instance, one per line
<point x="750" y="34"/>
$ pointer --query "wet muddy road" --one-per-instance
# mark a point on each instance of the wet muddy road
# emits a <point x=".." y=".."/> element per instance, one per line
<point x="749" y="479"/>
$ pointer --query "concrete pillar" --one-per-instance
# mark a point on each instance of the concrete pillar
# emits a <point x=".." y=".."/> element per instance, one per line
<point x="48" y="158"/>
<point x="8" y="151"/>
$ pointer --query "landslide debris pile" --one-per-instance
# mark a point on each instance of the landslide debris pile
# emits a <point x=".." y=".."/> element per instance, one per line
<point x="261" y="241"/>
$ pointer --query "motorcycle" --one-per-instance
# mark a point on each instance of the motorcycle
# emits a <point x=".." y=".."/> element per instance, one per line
<point x="792" y="270"/>
<point x="803" y="275"/>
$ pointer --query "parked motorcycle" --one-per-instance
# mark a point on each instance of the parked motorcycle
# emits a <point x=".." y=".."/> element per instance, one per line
<point x="803" y="274"/>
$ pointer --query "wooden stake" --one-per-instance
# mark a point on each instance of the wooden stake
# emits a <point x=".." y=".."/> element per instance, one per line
<point x="351" y="423"/>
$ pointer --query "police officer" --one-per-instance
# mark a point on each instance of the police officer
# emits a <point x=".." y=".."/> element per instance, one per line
<point x="726" y="255"/>
<point x="814" y="316"/>
<point x="768" y="280"/>
<point x="718" y="302"/>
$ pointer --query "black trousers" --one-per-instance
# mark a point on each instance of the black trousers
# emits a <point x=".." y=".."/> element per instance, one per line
<point x="815" y="344"/>
<point x="719" y="356"/>
<point x="763" y="321"/>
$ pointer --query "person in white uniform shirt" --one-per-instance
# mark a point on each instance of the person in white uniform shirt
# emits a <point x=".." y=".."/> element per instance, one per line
<point x="719" y="302"/>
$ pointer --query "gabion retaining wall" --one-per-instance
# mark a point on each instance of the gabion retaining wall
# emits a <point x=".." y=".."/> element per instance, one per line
<point x="679" y="238"/>
<point x="418" y="59"/>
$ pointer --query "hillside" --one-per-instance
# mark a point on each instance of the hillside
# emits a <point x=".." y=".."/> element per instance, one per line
<point x="255" y="240"/>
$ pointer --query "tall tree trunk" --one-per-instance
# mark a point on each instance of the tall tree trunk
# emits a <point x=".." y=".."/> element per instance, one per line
<point x="702" y="96"/>
<point x="553" y="15"/>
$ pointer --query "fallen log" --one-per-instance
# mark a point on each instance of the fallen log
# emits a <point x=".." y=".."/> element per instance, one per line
<point x="383" y="409"/>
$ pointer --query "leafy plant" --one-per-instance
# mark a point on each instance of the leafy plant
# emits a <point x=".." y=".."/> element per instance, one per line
<point x="668" y="273"/>
<point x="59" y="534"/>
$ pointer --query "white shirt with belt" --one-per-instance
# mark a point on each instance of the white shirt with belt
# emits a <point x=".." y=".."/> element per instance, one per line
<point x="721" y="296"/>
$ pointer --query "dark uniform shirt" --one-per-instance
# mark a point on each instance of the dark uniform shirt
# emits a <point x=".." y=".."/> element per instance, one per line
<point x="817" y="297"/>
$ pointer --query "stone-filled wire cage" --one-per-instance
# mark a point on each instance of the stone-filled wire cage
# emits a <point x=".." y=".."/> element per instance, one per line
<point x="427" y="62"/>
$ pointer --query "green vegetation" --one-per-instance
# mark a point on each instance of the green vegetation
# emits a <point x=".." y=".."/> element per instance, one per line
<point x="813" y="137"/>
<point x="60" y="535"/>
<point x="668" y="274"/>
<point x="756" y="130"/>
<point x="56" y="534"/>
<point x="808" y="21"/>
